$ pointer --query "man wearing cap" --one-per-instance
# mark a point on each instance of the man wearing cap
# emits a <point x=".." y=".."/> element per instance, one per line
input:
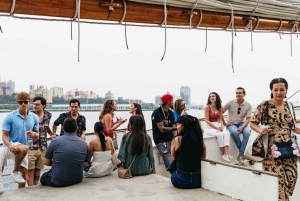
<point x="163" y="127"/>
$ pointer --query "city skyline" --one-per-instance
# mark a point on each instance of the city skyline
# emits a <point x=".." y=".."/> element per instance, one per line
<point x="31" y="53"/>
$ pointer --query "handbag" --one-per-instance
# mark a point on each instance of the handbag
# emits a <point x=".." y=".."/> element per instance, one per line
<point x="114" y="157"/>
<point x="125" y="173"/>
<point x="256" y="148"/>
<point x="285" y="150"/>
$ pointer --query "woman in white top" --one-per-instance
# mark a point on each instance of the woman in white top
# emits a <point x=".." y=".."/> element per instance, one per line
<point x="101" y="149"/>
<point x="215" y="125"/>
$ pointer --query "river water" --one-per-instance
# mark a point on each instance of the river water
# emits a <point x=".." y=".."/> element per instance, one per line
<point x="93" y="116"/>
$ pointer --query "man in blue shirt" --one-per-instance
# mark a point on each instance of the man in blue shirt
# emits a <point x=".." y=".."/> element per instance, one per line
<point x="67" y="155"/>
<point x="17" y="127"/>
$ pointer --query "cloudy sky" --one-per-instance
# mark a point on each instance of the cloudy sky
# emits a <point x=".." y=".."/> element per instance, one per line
<point x="42" y="53"/>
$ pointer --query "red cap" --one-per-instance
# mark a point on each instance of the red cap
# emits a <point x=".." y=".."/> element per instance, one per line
<point x="165" y="98"/>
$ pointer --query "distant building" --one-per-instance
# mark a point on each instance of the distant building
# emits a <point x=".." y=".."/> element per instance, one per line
<point x="11" y="85"/>
<point x="157" y="100"/>
<point x="31" y="88"/>
<point x="110" y="96"/>
<point x="44" y="92"/>
<point x="57" y="91"/>
<point x="185" y="94"/>
<point x="130" y="101"/>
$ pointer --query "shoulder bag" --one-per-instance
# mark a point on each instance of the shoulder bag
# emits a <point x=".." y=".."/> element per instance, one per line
<point x="114" y="157"/>
<point x="125" y="173"/>
<point x="256" y="148"/>
<point x="286" y="150"/>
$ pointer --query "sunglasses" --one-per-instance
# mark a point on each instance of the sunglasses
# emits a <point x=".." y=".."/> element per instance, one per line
<point x="21" y="102"/>
<point x="239" y="110"/>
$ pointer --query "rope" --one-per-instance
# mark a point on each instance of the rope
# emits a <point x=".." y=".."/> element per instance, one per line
<point x="78" y="14"/>
<point x="230" y="20"/>
<point x="12" y="9"/>
<point x="295" y="26"/>
<point x="200" y="19"/>
<point x="165" y="21"/>
<point x="74" y="18"/>
<point x="124" y="12"/>
<point x="206" y="39"/>
<point x="255" y="9"/>
<point x="232" y="36"/>
<point x="126" y="36"/>
<point x="257" y="23"/>
<point x="280" y="25"/>
<point x="191" y="15"/>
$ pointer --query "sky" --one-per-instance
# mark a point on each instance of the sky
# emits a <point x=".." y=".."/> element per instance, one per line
<point x="42" y="53"/>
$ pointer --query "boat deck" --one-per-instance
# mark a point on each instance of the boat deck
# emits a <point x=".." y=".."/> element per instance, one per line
<point x="149" y="187"/>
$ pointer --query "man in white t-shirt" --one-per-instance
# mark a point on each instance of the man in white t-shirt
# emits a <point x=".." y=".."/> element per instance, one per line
<point x="239" y="114"/>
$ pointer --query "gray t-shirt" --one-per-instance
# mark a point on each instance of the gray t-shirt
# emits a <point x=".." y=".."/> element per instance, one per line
<point x="232" y="107"/>
<point x="69" y="152"/>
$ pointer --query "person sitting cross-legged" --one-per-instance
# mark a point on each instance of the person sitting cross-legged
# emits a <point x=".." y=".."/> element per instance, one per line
<point x="67" y="155"/>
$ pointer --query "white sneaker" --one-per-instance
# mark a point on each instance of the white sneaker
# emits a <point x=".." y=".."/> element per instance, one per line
<point x="17" y="177"/>
<point x="225" y="157"/>
<point x="230" y="157"/>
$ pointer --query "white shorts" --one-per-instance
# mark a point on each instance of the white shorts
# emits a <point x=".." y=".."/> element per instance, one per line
<point x="5" y="154"/>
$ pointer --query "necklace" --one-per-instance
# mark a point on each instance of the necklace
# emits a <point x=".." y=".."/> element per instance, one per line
<point x="166" y="117"/>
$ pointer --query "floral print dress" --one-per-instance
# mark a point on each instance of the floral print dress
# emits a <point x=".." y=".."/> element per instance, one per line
<point x="285" y="168"/>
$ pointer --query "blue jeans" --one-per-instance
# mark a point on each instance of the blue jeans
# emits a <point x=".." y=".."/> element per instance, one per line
<point x="186" y="182"/>
<point x="241" y="145"/>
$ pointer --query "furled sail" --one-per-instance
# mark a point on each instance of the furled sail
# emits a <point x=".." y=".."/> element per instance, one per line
<point x="267" y="15"/>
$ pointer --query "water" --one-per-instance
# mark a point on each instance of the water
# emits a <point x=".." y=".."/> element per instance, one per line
<point x="92" y="117"/>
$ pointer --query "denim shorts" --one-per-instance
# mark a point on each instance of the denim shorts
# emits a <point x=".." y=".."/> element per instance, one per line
<point x="186" y="180"/>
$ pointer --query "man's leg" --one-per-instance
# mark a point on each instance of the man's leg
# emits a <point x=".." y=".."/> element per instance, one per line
<point x="24" y="174"/>
<point x="164" y="148"/>
<point x="31" y="166"/>
<point x="233" y="129"/>
<point x="246" y="134"/>
<point x="37" y="174"/>
<point x="19" y="173"/>
<point x="22" y="152"/>
<point x="46" y="179"/>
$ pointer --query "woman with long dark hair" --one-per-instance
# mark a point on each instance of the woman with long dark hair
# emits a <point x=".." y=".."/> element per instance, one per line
<point x="137" y="145"/>
<point x="100" y="149"/>
<point x="187" y="149"/>
<point x="278" y="116"/>
<point x="134" y="109"/>
<point x="106" y="117"/>
<point x="213" y="113"/>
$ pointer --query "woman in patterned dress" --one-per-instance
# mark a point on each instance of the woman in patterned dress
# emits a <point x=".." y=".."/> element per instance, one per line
<point x="279" y="123"/>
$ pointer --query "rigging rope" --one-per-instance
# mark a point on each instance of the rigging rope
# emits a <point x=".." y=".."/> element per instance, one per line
<point x="12" y="9"/>
<point x="191" y="15"/>
<point x="206" y="39"/>
<point x="123" y="17"/>
<point x="200" y="19"/>
<point x="165" y="21"/>
<point x="232" y="36"/>
<point x="78" y="16"/>
<point x="295" y="26"/>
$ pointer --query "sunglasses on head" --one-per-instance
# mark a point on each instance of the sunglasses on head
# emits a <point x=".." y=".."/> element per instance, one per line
<point x="21" y="102"/>
<point x="239" y="110"/>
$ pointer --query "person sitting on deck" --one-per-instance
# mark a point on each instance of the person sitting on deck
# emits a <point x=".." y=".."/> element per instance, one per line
<point x="179" y="109"/>
<point x="17" y="127"/>
<point x="101" y="149"/>
<point x="187" y="149"/>
<point x="67" y="155"/>
<point x="136" y="148"/>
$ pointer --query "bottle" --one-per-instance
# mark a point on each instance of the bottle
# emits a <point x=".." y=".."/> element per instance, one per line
<point x="29" y="142"/>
